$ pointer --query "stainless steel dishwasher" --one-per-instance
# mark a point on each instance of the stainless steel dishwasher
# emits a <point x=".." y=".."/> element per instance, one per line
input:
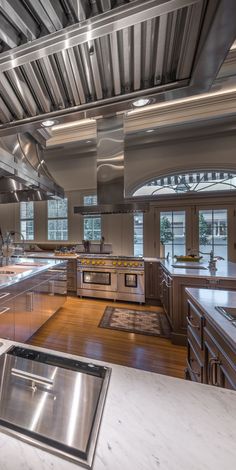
<point x="52" y="402"/>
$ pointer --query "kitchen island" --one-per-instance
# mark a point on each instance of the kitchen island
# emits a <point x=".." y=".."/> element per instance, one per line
<point x="150" y="421"/>
<point x="166" y="281"/>
<point x="30" y="293"/>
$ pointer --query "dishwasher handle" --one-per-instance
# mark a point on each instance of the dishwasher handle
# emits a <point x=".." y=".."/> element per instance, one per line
<point x="39" y="379"/>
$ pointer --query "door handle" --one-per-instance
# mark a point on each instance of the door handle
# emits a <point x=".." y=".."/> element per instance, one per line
<point x="30" y="301"/>
<point x="5" y="294"/>
<point x="192" y="324"/>
<point x="4" y="310"/>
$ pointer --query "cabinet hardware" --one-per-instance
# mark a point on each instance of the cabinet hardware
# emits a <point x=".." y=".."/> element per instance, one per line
<point x="5" y="294"/>
<point x="192" y="324"/>
<point x="212" y="370"/>
<point x="30" y="301"/>
<point x="4" y="310"/>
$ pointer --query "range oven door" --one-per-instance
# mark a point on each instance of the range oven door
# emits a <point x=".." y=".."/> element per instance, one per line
<point x="99" y="279"/>
<point x="131" y="282"/>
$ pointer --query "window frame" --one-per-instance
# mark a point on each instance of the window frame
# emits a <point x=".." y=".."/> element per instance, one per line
<point x="171" y="210"/>
<point x="27" y="219"/>
<point x="230" y="214"/>
<point x="93" y="218"/>
<point x="57" y="219"/>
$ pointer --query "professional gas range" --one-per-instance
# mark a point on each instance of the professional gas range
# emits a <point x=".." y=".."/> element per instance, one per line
<point x="111" y="277"/>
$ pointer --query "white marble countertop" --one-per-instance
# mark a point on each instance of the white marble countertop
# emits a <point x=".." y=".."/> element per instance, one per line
<point x="31" y="268"/>
<point x="225" y="270"/>
<point x="150" y="422"/>
<point x="207" y="299"/>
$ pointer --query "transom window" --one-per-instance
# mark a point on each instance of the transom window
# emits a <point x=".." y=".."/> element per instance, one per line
<point x="201" y="181"/>
<point x="58" y="219"/>
<point x="172" y="232"/>
<point x="92" y="224"/>
<point x="27" y="220"/>
<point x="213" y="232"/>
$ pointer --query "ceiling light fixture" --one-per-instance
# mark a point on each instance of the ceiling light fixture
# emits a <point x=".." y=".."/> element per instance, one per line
<point x="141" y="102"/>
<point x="150" y="130"/>
<point x="48" y="123"/>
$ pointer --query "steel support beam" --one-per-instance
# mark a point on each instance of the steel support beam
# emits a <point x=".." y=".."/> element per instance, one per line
<point x="101" y="25"/>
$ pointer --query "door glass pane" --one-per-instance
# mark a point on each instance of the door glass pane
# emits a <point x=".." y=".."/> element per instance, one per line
<point x="172" y="232"/>
<point x="213" y="232"/>
<point x="138" y="234"/>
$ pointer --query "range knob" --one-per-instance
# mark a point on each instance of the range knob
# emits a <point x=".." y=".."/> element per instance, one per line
<point x="125" y="264"/>
<point x="119" y="263"/>
<point x="114" y="263"/>
<point x="135" y="264"/>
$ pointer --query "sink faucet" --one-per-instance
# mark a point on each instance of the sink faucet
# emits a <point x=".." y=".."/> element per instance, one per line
<point x="9" y="235"/>
<point x="212" y="260"/>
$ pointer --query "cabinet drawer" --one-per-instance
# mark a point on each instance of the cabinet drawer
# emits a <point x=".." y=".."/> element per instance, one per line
<point x="195" y="321"/>
<point x="194" y="363"/>
<point x="224" y="365"/>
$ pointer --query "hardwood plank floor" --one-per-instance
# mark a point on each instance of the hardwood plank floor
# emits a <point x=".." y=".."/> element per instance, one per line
<point x="74" y="329"/>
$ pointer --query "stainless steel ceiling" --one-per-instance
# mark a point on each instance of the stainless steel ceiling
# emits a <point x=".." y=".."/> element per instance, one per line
<point x="58" y="57"/>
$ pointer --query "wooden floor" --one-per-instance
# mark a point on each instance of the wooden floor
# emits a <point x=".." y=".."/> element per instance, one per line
<point x="74" y="329"/>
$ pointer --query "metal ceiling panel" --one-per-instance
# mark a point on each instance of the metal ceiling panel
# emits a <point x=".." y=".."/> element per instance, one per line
<point x="110" y="52"/>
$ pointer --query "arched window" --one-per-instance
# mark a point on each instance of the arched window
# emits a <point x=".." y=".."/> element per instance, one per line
<point x="186" y="183"/>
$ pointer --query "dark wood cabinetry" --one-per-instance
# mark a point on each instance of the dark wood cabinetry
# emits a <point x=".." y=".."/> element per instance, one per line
<point x="72" y="275"/>
<point x="152" y="282"/>
<point x="211" y="359"/>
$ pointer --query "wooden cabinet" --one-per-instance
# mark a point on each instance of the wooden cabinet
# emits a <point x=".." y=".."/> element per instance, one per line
<point x="166" y="294"/>
<point x="152" y="282"/>
<point x="211" y="359"/>
<point x="72" y="275"/>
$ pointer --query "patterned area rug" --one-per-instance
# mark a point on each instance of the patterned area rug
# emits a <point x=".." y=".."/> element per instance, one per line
<point x="136" y="321"/>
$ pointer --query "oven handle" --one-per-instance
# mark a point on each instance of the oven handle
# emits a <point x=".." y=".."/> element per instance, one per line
<point x="32" y="377"/>
<point x="130" y="272"/>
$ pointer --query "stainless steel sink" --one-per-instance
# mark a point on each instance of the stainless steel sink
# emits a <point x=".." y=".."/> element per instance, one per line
<point x="228" y="312"/>
<point x="186" y="266"/>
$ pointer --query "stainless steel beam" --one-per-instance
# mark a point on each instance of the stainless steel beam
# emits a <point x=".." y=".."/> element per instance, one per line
<point x="19" y="84"/>
<point x="115" y="63"/>
<point x="101" y="25"/>
<point x="5" y="115"/>
<point x="19" y="16"/>
<point x="80" y="8"/>
<point x="35" y="81"/>
<point x="36" y="5"/>
<point x="104" y="107"/>
<point x="7" y="33"/>
<point x="52" y="82"/>
<point x="10" y="97"/>
<point x="137" y="35"/>
<point x="76" y="80"/>
<point x="55" y="13"/>
<point x="160" y="51"/>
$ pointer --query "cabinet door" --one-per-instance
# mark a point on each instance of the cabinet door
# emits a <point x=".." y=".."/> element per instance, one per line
<point x="7" y="329"/>
<point x="34" y="305"/>
<point x="22" y="313"/>
<point x="152" y="281"/>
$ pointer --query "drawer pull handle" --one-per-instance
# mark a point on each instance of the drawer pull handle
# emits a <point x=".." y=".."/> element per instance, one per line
<point x="5" y="294"/>
<point x="212" y="371"/>
<point x="4" y="310"/>
<point x="192" y="324"/>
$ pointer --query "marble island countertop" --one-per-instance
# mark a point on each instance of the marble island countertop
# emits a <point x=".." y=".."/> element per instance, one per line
<point x="18" y="269"/>
<point x="150" y="422"/>
<point x="225" y="269"/>
<point x="208" y="299"/>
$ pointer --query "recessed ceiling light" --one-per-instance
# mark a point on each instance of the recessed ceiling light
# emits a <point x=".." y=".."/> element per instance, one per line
<point x="150" y="130"/>
<point x="88" y="141"/>
<point x="48" y="123"/>
<point x="141" y="102"/>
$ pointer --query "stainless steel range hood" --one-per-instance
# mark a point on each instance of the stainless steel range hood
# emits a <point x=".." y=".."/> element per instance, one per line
<point x="23" y="173"/>
<point x="110" y="171"/>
